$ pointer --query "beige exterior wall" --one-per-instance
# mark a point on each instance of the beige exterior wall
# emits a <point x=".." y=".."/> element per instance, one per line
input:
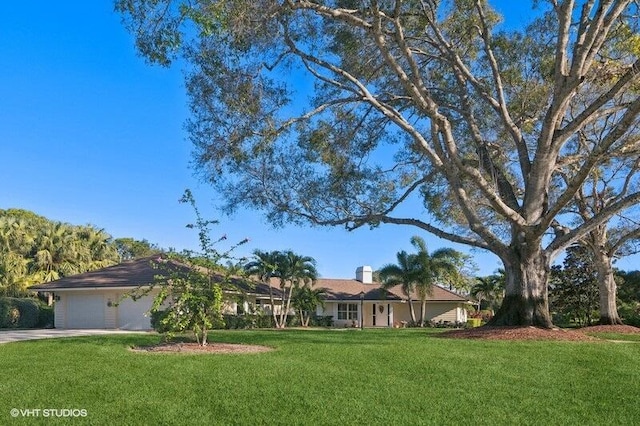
<point x="436" y="311"/>
<point x="401" y="313"/>
<point x="451" y="312"/>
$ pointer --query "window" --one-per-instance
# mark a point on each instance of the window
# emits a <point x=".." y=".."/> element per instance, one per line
<point x="347" y="311"/>
<point x="374" y="314"/>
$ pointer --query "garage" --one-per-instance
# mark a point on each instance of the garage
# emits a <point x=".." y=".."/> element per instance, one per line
<point x="85" y="311"/>
<point x="132" y="315"/>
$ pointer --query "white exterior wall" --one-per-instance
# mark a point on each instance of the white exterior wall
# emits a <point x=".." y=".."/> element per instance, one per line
<point x="110" y="310"/>
<point x="59" y="311"/>
<point x="83" y="309"/>
<point x="130" y="314"/>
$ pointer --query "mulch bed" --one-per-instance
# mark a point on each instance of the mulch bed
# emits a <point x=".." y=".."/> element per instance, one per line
<point x="535" y="333"/>
<point x="211" y="348"/>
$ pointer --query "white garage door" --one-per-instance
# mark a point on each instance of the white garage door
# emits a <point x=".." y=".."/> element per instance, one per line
<point x="85" y="311"/>
<point x="131" y="315"/>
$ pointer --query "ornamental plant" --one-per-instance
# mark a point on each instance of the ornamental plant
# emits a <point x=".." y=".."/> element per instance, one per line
<point x="191" y="284"/>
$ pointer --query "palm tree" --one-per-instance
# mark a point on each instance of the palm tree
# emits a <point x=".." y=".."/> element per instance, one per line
<point x="294" y="271"/>
<point x="56" y="253"/>
<point x="96" y="248"/>
<point x="430" y="269"/>
<point x="13" y="269"/>
<point x="403" y="274"/>
<point x="489" y="288"/>
<point x="265" y="266"/>
<point x="305" y="300"/>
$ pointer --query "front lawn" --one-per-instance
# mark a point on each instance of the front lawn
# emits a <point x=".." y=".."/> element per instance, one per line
<point x="325" y="377"/>
<point x="617" y="337"/>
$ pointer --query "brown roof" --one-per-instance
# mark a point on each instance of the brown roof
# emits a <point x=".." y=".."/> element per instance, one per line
<point x="139" y="272"/>
<point x="344" y="289"/>
<point x="132" y="274"/>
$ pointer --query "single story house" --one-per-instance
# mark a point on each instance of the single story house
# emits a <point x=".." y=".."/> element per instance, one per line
<point x="97" y="299"/>
<point x="350" y="301"/>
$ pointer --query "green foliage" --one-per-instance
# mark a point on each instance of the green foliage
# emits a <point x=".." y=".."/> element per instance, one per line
<point x="305" y="300"/>
<point x="490" y="125"/>
<point x="190" y="284"/>
<point x="490" y="289"/>
<point x="628" y="283"/>
<point x="245" y="321"/>
<point x="630" y="313"/>
<point x="321" y="321"/>
<point x="35" y="250"/>
<point x="157" y="318"/>
<point x="420" y="271"/>
<point x="293" y="272"/>
<point x="261" y="320"/>
<point x="573" y="290"/>
<point x="628" y="286"/>
<point x="19" y="313"/>
<point x="130" y="248"/>
<point x="45" y="316"/>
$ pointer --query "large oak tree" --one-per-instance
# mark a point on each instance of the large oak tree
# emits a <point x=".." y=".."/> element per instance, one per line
<point x="341" y="112"/>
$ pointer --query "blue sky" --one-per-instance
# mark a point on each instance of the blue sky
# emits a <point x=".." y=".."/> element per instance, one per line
<point x="89" y="133"/>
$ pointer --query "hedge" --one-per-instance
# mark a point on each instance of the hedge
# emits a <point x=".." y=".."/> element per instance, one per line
<point x="244" y="321"/>
<point x="24" y="313"/>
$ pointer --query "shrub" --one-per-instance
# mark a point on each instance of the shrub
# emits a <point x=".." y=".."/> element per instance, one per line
<point x="321" y="321"/>
<point x="156" y="321"/>
<point x="474" y="322"/>
<point x="258" y="320"/>
<point x="19" y="312"/>
<point x="630" y="313"/>
<point x="261" y="320"/>
<point x="45" y="316"/>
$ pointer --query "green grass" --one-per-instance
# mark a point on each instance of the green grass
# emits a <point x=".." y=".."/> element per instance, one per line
<point x="617" y="336"/>
<point x="386" y="377"/>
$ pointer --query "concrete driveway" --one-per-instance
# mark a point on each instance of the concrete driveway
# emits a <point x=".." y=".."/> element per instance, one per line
<point x="7" y="336"/>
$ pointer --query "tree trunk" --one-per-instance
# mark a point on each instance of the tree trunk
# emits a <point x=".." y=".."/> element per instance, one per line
<point x="607" y="287"/>
<point x="526" y="301"/>
<point x="286" y="305"/>
<point x="411" y="310"/>
<point x="423" y="312"/>
<point x="273" y="306"/>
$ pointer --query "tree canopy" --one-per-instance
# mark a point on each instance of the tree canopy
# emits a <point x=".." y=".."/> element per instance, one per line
<point x="34" y="249"/>
<point x="420" y="271"/>
<point x="294" y="273"/>
<point x="340" y="112"/>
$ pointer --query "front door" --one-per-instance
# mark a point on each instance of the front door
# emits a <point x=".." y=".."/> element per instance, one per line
<point x="382" y="315"/>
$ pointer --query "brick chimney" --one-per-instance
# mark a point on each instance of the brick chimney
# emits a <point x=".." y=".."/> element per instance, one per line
<point x="364" y="274"/>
